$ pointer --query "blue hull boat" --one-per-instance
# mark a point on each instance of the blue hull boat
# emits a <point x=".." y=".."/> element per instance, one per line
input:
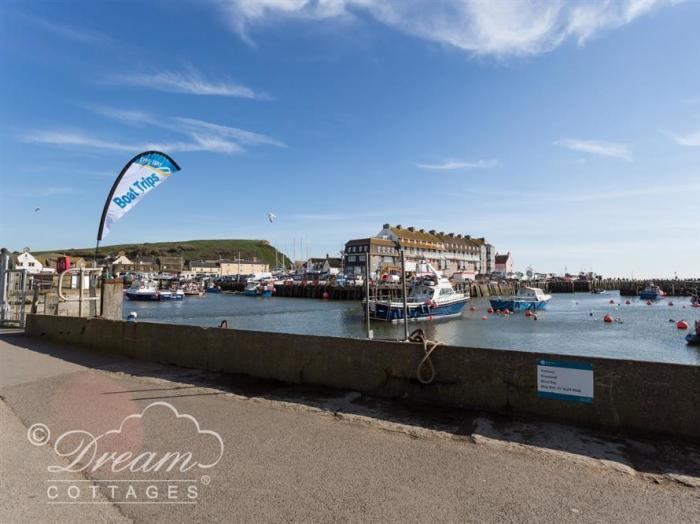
<point x="527" y="298"/>
<point x="393" y="311"/>
<point x="142" y="296"/>
<point x="517" y="305"/>
<point x="651" y="292"/>
<point x="431" y="297"/>
<point x="692" y="340"/>
<point x="257" y="293"/>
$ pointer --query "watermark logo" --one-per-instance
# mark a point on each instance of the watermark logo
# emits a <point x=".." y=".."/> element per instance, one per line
<point x="157" y="456"/>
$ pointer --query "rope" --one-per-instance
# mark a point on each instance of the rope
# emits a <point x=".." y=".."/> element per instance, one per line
<point x="428" y="347"/>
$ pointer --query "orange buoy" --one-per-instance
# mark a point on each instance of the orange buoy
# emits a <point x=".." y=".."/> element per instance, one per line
<point x="528" y="313"/>
<point x="682" y="324"/>
<point x="608" y="319"/>
<point x="490" y="310"/>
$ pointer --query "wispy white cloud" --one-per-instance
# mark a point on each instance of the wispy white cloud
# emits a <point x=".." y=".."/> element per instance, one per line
<point x="201" y="135"/>
<point x="81" y="35"/>
<point x="690" y="139"/>
<point x="79" y="139"/>
<point x="597" y="147"/>
<point x="188" y="82"/>
<point x="482" y="27"/>
<point x="451" y="165"/>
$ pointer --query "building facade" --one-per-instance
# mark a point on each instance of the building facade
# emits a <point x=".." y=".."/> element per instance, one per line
<point x="205" y="267"/>
<point x="27" y="261"/>
<point x="448" y="252"/>
<point x="242" y="267"/>
<point x="381" y="252"/>
<point x="504" y="264"/>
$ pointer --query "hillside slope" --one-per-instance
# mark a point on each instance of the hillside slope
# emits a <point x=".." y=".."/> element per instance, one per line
<point x="188" y="249"/>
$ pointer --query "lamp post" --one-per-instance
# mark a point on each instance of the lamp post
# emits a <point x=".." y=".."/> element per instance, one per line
<point x="403" y="290"/>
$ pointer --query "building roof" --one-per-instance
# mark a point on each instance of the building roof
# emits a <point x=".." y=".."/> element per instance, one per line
<point x="204" y="263"/>
<point x="375" y="241"/>
<point x="412" y="233"/>
<point x="502" y="259"/>
<point x="335" y="262"/>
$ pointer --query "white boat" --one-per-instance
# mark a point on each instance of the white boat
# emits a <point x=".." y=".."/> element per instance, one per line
<point x="178" y="294"/>
<point x="431" y="297"/>
<point x="526" y="298"/>
<point x="142" y="290"/>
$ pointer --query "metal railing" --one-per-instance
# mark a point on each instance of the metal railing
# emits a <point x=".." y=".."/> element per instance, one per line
<point x="81" y="280"/>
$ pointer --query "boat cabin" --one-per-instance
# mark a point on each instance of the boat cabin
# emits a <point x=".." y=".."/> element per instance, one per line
<point x="531" y="293"/>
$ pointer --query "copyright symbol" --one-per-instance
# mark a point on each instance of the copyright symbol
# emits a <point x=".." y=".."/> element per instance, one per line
<point x="38" y="434"/>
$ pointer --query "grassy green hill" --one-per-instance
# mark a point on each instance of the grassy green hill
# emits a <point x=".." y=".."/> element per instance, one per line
<point x="188" y="249"/>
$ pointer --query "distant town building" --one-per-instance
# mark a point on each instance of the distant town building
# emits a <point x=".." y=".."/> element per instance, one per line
<point x="242" y="267"/>
<point x="504" y="264"/>
<point x="328" y="265"/>
<point x="205" y="267"/>
<point x="381" y="251"/>
<point x="26" y="261"/>
<point x="170" y="264"/>
<point x="448" y="252"/>
<point x="145" y="265"/>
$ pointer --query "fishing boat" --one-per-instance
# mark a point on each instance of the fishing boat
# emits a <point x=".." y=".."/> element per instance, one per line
<point x="651" y="292"/>
<point x="527" y="298"/>
<point x="178" y="294"/>
<point x="193" y="289"/>
<point x="213" y="288"/>
<point x="142" y="290"/>
<point x="259" y="289"/>
<point x="431" y="297"/>
<point x="598" y="291"/>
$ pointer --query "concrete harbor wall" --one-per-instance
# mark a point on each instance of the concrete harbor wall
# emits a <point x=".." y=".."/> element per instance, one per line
<point x="629" y="396"/>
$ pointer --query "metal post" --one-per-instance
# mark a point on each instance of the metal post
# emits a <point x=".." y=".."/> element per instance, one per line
<point x="369" y="327"/>
<point x="80" y="293"/>
<point x="4" y="268"/>
<point x="405" y="298"/>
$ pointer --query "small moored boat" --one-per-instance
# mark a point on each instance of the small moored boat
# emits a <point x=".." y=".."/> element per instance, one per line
<point x="259" y="289"/>
<point x="693" y="339"/>
<point x="142" y="290"/>
<point x="178" y="294"/>
<point x="527" y="298"/>
<point x="651" y="292"/>
<point x="431" y="297"/>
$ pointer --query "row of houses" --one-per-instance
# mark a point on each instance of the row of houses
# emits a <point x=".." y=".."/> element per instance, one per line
<point x="448" y="252"/>
<point x="120" y="264"/>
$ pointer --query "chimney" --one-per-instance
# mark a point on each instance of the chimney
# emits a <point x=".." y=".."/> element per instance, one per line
<point x="398" y="226"/>
<point x="432" y="231"/>
<point x="442" y="233"/>
<point x="468" y="237"/>
<point x="451" y="235"/>
<point x="459" y="236"/>
<point x="422" y="230"/>
<point x="411" y="228"/>
<point x="386" y="226"/>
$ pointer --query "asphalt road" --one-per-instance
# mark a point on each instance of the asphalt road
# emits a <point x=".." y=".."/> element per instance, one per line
<point x="265" y="452"/>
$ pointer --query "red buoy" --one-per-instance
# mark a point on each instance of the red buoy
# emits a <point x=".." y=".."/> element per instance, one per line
<point x="627" y="302"/>
<point x="490" y="310"/>
<point x="682" y="324"/>
<point x="506" y="311"/>
<point x="472" y="308"/>
<point x="528" y="313"/>
<point x="325" y="295"/>
<point x="608" y="319"/>
<point x="484" y="317"/>
<point x="612" y="301"/>
<point x="670" y="303"/>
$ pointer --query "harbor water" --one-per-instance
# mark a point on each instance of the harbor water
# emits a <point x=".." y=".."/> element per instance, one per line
<point x="572" y="324"/>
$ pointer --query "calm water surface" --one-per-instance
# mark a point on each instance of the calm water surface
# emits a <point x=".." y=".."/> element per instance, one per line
<point x="565" y="327"/>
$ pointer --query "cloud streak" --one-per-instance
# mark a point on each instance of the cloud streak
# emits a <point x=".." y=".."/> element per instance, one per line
<point x="201" y="135"/>
<point x="597" y="147"/>
<point x="190" y="82"/>
<point x="451" y="165"/>
<point x="506" y="28"/>
<point x="688" y="140"/>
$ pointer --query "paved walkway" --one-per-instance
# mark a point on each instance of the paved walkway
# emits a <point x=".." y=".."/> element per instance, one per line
<point x="297" y="454"/>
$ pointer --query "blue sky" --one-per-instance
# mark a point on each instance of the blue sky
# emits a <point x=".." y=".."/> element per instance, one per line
<point x="566" y="133"/>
